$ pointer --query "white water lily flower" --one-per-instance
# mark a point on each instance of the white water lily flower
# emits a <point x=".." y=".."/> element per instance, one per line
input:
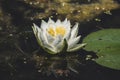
<point x="57" y="37"/>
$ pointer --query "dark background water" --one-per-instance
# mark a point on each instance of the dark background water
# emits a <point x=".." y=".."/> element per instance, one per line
<point x="18" y="44"/>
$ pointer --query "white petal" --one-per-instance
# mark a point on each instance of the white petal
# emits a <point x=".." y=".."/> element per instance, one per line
<point x="73" y="42"/>
<point x="43" y="37"/>
<point x="50" y="49"/>
<point x="74" y="31"/>
<point x="51" y="25"/>
<point x="45" y="43"/>
<point x="65" y="21"/>
<point x="42" y="40"/>
<point x="77" y="47"/>
<point x="57" y="40"/>
<point x="44" y="25"/>
<point x="68" y="30"/>
<point x="37" y="35"/>
<point x="50" y="21"/>
<point x="58" y="22"/>
<point x="50" y="38"/>
<point x="48" y="46"/>
<point x="67" y="25"/>
<point x="36" y="29"/>
<point x="39" y="38"/>
<point x="67" y="35"/>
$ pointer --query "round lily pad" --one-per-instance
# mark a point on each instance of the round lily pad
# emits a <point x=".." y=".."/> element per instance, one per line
<point x="106" y="44"/>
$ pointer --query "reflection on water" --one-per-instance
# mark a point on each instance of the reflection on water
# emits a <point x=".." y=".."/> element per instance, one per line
<point x="20" y="55"/>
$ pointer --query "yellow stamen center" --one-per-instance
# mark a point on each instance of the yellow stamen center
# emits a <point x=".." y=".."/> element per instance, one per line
<point x="60" y="31"/>
<point x="51" y="31"/>
<point x="57" y="31"/>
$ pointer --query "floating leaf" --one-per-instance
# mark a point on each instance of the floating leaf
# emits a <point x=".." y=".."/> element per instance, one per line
<point x="106" y="44"/>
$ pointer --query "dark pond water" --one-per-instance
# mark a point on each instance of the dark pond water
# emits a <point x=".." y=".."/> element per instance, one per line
<point x="22" y="59"/>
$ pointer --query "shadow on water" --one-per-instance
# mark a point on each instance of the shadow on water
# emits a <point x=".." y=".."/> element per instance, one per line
<point x="27" y="71"/>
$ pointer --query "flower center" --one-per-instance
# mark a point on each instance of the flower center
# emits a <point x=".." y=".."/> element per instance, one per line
<point x="51" y="31"/>
<point x="57" y="31"/>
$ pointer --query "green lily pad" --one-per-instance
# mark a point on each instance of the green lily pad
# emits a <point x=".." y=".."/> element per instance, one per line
<point x="106" y="44"/>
